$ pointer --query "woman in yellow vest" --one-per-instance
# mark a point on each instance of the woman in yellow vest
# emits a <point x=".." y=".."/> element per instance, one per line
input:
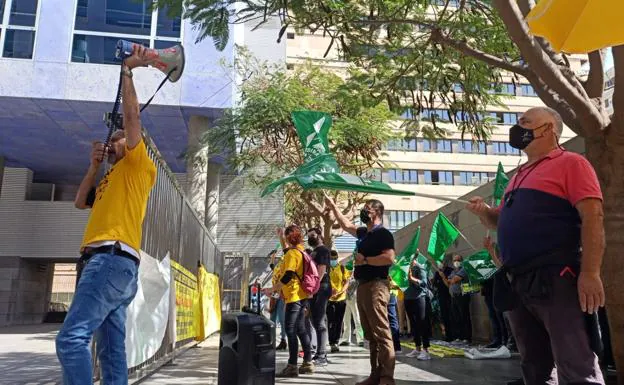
<point x="286" y="279"/>
<point x="339" y="278"/>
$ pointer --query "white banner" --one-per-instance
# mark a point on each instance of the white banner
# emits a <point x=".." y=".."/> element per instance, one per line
<point x="148" y="313"/>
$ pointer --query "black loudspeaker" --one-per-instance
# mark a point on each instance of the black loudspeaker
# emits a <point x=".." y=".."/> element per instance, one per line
<point x="246" y="350"/>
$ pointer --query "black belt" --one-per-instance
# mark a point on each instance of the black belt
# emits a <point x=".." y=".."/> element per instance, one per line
<point x="115" y="249"/>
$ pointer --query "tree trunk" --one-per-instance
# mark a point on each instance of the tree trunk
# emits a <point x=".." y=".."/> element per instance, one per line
<point x="607" y="156"/>
<point x="327" y="231"/>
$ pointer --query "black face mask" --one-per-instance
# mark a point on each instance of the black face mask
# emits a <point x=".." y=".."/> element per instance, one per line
<point x="364" y="217"/>
<point x="520" y="137"/>
<point x="313" y="241"/>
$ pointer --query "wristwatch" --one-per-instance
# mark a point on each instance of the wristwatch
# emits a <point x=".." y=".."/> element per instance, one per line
<point x="125" y="70"/>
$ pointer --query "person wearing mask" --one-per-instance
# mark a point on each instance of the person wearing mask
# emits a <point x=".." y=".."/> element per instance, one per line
<point x="318" y="305"/>
<point x="375" y="255"/>
<point x="418" y="308"/>
<point x="551" y="240"/>
<point x="393" y="316"/>
<point x="339" y="278"/>
<point x="460" y="302"/>
<point x="443" y="296"/>
<point x="286" y="280"/>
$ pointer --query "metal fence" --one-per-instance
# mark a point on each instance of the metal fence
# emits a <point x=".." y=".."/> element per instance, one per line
<point x="172" y="226"/>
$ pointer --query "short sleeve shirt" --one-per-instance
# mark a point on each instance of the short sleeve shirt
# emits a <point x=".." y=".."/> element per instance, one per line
<point x="371" y="244"/>
<point x="292" y="261"/>
<point x="339" y="277"/>
<point x="456" y="288"/>
<point x="321" y="256"/>
<point x="538" y="215"/>
<point x="416" y="291"/>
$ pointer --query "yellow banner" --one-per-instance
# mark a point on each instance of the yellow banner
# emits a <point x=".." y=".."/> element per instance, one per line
<point x="187" y="302"/>
<point x="208" y="318"/>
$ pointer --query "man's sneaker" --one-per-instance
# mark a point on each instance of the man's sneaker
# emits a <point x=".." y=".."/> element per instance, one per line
<point x="289" y="371"/>
<point x="335" y="349"/>
<point x="424" y="356"/>
<point x="306" y="368"/>
<point x="413" y="353"/>
<point x="320" y="362"/>
<point x="282" y="345"/>
<point x="494" y="345"/>
<point x="345" y="343"/>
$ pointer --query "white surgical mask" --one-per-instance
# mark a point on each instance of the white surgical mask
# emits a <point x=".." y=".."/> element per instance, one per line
<point x="457" y="264"/>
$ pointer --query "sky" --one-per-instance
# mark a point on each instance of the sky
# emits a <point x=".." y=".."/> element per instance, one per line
<point x="608" y="60"/>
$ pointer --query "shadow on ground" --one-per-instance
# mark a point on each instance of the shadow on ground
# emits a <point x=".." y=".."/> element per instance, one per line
<point x="28" y="368"/>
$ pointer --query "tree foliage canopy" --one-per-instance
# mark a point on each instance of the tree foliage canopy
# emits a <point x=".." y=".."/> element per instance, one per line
<point x="266" y="140"/>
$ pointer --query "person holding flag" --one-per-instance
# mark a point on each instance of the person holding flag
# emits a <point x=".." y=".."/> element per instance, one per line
<point x="418" y="308"/>
<point x="375" y="255"/>
<point x="551" y="240"/>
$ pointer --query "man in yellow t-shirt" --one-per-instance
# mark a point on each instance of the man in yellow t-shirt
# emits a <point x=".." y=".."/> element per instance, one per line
<point x="339" y="278"/>
<point x="110" y="248"/>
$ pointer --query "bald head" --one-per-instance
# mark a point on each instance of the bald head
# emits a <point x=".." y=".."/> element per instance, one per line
<point x="543" y="115"/>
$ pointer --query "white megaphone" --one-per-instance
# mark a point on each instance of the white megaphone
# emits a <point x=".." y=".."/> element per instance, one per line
<point x="168" y="60"/>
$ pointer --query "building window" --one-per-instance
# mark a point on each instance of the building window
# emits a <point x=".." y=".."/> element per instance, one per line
<point x="470" y="147"/>
<point x="290" y="35"/>
<point x="471" y="178"/>
<point x="438" y="177"/>
<point x="440" y="145"/>
<point x="527" y="90"/>
<point x="403" y="176"/>
<point x="401" y="145"/>
<point x="396" y="220"/>
<point x="510" y="118"/>
<point x="503" y="148"/>
<point x="503" y="89"/>
<point x="100" y="24"/>
<point x="17" y="28"/>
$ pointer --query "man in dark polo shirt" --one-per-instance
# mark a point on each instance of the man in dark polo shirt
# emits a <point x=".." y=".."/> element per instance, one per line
<point x="551" y="241"/>
<point x="372" y="264"/>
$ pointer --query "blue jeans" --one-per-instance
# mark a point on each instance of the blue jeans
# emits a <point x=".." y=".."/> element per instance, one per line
<point x="279" y="315"/>
<point x="393" y="319"/>
<point x="106" y="287"/>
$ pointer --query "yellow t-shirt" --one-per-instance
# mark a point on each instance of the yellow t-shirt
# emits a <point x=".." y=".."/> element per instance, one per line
<point x="293" y="260"/>
<point x="121" y="200"/>
<point x="339" y="276"/>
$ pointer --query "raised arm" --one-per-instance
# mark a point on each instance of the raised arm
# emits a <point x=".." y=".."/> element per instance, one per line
<point x="131" y="114"/>
<point x="343" y="221"/>
<point x="88" y="182"/>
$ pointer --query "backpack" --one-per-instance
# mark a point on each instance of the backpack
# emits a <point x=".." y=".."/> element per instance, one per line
<point x="310" y="280"/>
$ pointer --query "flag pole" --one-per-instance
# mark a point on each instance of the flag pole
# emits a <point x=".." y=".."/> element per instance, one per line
<point x="443" y="198"/>
<point x="467" y="241"/>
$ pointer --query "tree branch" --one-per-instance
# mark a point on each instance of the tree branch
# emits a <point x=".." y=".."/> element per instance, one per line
<point x="594" y="85"/>
<point x="545" y="69"/>
<point x="463" y="47"/>
<point x="618" y="92"/>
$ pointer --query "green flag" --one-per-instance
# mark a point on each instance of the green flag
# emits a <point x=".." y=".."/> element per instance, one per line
<point x="399" y="270"/>
<point x="443" y="234"/>
<point x="479" y="267"/>
<point x="320" y="169"/>
<point x="500" y="184"/>
<point x="349" y="265"/>
<point x="312" y="129"/>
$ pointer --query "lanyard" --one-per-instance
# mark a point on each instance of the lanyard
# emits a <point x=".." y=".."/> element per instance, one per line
<point x="509" y="199"/>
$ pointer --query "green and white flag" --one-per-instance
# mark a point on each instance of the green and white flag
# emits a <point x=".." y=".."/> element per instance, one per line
<point x="400" y="269"/>
<point x="500" y="184"/>
<point x="443" y="234"/>
<point x="479" y="267"/>
<point x="320" y="169"/>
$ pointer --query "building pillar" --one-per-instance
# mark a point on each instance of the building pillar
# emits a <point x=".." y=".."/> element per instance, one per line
<point x="212" y="199"/>
<point x="196" y="165"/>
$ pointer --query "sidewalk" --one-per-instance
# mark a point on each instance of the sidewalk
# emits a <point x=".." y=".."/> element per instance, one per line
<point x="199" y="366"/>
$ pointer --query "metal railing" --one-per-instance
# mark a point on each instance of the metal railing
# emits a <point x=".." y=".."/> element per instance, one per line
<point x="172" y="226"/>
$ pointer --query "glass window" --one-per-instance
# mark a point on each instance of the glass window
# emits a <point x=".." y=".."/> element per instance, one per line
<point x="510" y="118"/>
<point x="1" y="9"/>
<point x="162" y="44"/>
<point x="426" y="144"/>
<point x="527" y="90"/>
<point x="443" y="145"/>
<point x="19" y="44"/>
<point x="166" y="26"/>
<point x="408" y="114"/>
<point x="117" y="16"/>
<point x="23" y="12"/>
<point x="97" y="49"/>
<point x="438" y="177"/>
<point x="465" y="146"/>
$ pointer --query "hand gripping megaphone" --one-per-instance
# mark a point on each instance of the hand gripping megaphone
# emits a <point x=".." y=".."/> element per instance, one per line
<point x="169" y="60"/>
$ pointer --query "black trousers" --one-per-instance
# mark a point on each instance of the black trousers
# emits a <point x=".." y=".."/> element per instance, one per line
<point x="462" y="325"/>
<point x="335" y="316"/>
<point x="318" y="317"/>
<point x="445" y="314"/>
<point x="295" y="327"/>
<point x="497" y="320"/>
<point x="419" y="314"/>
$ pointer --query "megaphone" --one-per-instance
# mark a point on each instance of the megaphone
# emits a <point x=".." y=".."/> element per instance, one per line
<point x="167" y="60"/>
